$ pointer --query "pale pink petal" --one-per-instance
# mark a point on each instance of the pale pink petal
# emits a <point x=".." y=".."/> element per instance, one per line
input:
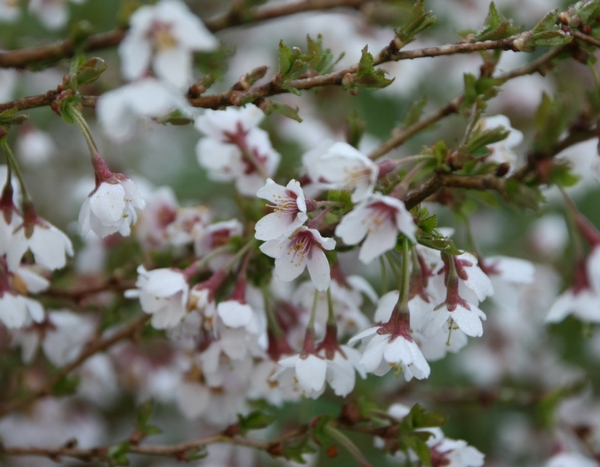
<point x="319" y="270"/>
<point x="311" y="372"/>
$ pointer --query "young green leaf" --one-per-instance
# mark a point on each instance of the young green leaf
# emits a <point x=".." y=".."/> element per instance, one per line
<point x="496" y="26"/>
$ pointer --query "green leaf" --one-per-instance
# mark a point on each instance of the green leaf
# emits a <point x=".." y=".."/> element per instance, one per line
<point x="481" y="139"/>
<point x="523" y="195"/>
<point x="319" y="430"/>
<point x="444" y="245"/>
<point x="561" y="175"/>
<point x="419" y="447"/>
<point x="196" y="454"/>
<point x="418" y="418"/>
<point x="416" y="21"/>
<point x="66" y="386"/>
<point x="321" y="60"/>
<point x="367" y="76"/>
<point x="11" y="117"/>
<point x="295" y="449"/>
<point x="118" y="453"/>
<point x="269" y="106"/>
<point x="415" y="111"/>
<point x="551" y="121"/>
<point x="90" y="70"/>
<point x="429" y="224"/>
<point x="254" y="421"/>
<point x="547" y="23"/>
<point x="496" y="26"/>
<point x="144" y="413"/>
<point x="355" y="129"/>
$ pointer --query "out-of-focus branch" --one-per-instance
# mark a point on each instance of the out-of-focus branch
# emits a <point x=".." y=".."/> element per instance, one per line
<point x="22" y="58"/>
<point x="401" y="135"/>
<point x="76" y="294"/>
<point x="92" y="348"/>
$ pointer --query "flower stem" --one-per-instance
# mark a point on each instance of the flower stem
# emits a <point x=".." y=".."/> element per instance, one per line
<point x="384" y="282"/>
<point x="331" y="315"/>
<point x="242" y="251"/>
<point x="85" y="129"/>
<point x="13" y="162"/>
<point x="572" y="212"/>
<point x="405" y="284"/>
<point x="348" y="444"/>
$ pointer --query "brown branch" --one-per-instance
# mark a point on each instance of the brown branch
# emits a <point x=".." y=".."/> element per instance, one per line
<point x="76" y="294"/>
<point x="178" y="450"/>
<point x="91" y="349"/>
<point x="22" y="58"/>
<point x="584" y="37"/>
<point x="401" y="135"/>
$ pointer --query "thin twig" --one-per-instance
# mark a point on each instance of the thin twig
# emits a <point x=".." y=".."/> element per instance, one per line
<point x="91" y="349"/>
<point x="22" y="58"/>
<point x="584" y="37"/>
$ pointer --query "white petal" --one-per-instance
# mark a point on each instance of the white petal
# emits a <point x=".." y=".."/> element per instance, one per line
<point x="311" y="372"/>
<point x="319" y="270"/>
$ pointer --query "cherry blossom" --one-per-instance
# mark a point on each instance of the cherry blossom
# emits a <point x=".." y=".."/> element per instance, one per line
<point x="48" y="244"/>
<point x="188" y="224"/>
<point x="120" y="109"/>
<point x="35" y="146"/>
<point x="304" y="248"/>
<point x="10" y="11"/>
<point x="570" y="459"/>
<point x="235" y="149"/>
<point x="166" y="35"/>
<point x="343" y="166"/>
<point x="215" y="236"/>
<point x="163" y="293"/>
<point x="289" y="210"/>
<point x="53" y="14"/>
<point x="66" y="336"/>
<point x="112" y="206"/>
<point x="378" y="218"/>
<point x="161" y="210"/>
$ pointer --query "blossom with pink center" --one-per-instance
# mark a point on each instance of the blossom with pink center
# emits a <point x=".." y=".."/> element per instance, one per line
<point x="164" y="35"/>
<point x="289" y="210"/>
<point x="391" y="344"/>
<point x="343" y="166"/>
<point x="378" y="218"/>
<point x="215" y="236"/>
<point x="16" y="310"/>
<point x="304" y="248"/>
<point x="235" y="149"/>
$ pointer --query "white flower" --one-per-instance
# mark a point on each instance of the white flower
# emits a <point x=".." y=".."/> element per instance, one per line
<point x="341" y="368"/>
<point x="310" y="372"/>
<point x="163" y="293"/>
<point x="10" y="11"/>
<point x="455" y="453"/>
<point x="379" y="218"/>
<point x="303" y="248"/>
<point x="502" y="151"/>
<point x="160" y="212"/>
<point x="343" y="166"/>
<point x="53" y="14"/>
<point x="289" y="210"/>
<point x="570" y="459"/>
<point x="189" y="223"/>
<point x="35" y="146"/>
<point x="235" y="149"/>
<point x="386" y="350"/>
<point x="111" y="207"/>
<point x="8" y="82"/>
<point x="215" y="236"/>
<point x="119" y="110"/>
<point x="165" y="34"/>
<point x="8" y="227"/>
<point x="48" y="245"/>
<point x="66" y="337"/>
<point x="17" y="311"/>
<point x="583" y="298"/>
